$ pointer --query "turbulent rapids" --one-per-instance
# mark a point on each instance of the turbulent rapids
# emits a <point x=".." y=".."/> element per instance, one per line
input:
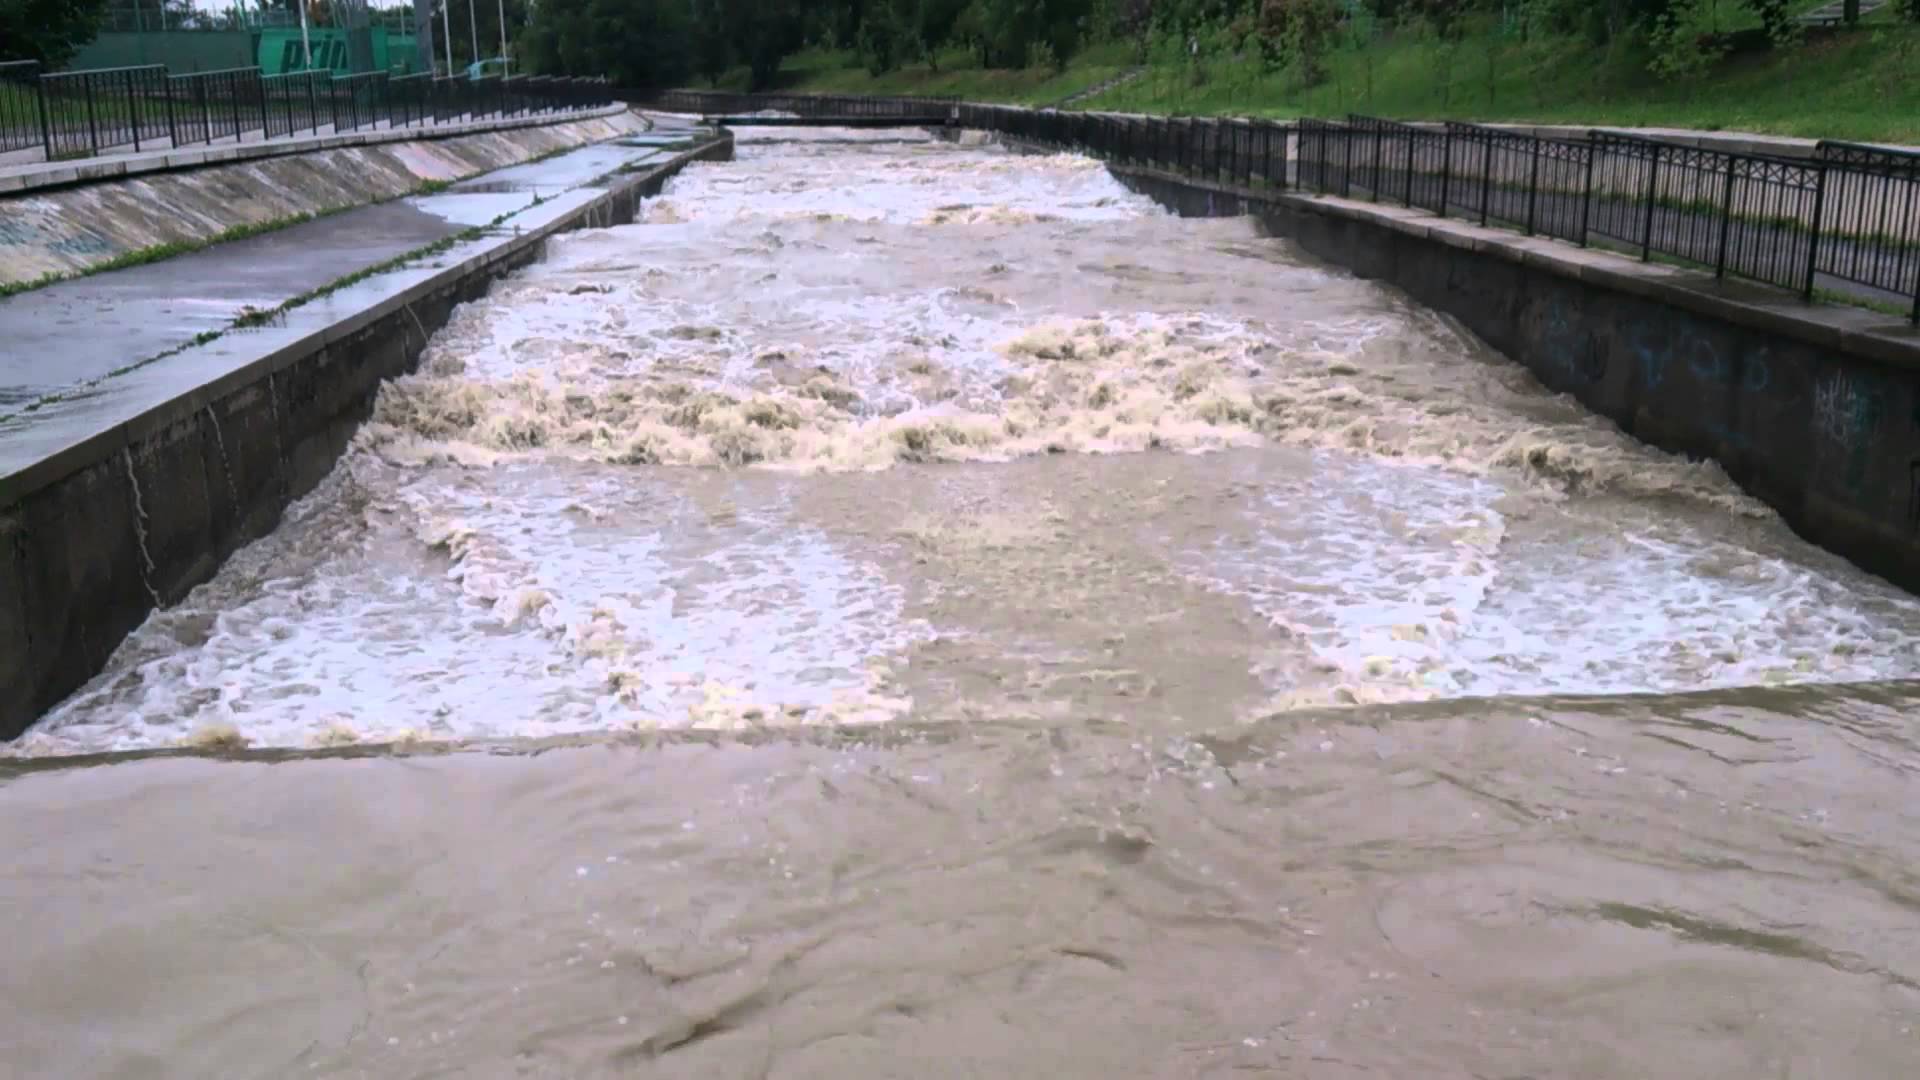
<point x="1129" y="643"/>
<point x="1405" y="515"/>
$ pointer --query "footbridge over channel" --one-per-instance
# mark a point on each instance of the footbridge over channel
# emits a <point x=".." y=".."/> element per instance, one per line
<point x="807" y="110"/>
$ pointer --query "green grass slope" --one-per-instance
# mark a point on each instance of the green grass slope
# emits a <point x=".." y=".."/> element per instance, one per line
<point x="1860" y="84"/>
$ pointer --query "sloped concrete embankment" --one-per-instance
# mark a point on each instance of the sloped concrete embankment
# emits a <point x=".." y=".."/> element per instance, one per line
<point x="74" y="229"/>
<point x="136" y="512"/>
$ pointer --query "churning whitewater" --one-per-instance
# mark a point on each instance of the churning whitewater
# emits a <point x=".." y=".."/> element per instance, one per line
<point x="811" y="442"/>
<point x="906" y="609"/>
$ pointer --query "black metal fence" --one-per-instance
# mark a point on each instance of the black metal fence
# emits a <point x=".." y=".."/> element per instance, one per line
<point x="1872" y="200"/>
<point x="88" y="111"/>
<point x="1250" y="154"/>
<point x="207" y="107"/>
<point x="21" y="122"/>
<point x="1846" y="219"/>
<point x="81" y="114"/>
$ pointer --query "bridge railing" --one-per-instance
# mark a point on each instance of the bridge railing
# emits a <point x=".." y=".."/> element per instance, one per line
<point x="77" y="114"/>
<point x="836" y="106"/>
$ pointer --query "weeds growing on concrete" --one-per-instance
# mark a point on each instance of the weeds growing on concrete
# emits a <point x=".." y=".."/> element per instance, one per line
<point x="174" y="248"/>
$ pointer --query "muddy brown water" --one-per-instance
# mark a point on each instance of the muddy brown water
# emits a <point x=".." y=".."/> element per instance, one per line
<point x="905" y="609"/>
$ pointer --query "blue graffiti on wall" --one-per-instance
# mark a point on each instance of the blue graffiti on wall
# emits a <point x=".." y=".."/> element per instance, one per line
<point x="1750" y="371"/>
<point x="1567" y="347"/>
<point x="1650" y="353"/>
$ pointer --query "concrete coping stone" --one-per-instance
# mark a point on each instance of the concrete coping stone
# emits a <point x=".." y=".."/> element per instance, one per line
<point x="147" y="400"/>
<point x="1871" y="334"/>
<point x="39" y="176"/>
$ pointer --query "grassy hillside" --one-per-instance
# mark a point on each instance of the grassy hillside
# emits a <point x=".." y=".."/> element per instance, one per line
<point x="955" y="73"/>
<point x="1862" y="84"/>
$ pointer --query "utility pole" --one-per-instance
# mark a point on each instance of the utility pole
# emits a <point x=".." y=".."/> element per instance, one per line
<point x="473" y="32"/>
<point x="503" y="38"/>
<point x="423" y="34"/>
<point x="306" y="43"/>
<point x="446" y="31"/>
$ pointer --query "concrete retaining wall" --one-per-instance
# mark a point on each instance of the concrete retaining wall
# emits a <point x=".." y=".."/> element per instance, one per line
<point x="71" y="229"/>
<point x="1813" y="409"/>
<point x="93" y="538"/>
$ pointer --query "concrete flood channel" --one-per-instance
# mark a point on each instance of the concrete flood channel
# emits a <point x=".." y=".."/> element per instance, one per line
<point x="904" y="607"/>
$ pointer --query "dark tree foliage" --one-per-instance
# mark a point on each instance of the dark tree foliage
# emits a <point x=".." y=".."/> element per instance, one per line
<point x="663" y="42"/>
<point x="1014" y="33"/>
<point x="763" y="33"/>
<point x="49" y="31"/>
<point x="632" y="42"/>
<point x="711" y="44"/>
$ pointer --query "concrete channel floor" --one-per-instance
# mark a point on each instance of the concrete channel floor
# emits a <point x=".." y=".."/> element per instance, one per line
<point x="74" y="332"/>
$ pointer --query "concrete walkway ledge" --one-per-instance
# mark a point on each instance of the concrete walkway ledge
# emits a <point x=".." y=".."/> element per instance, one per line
<point x="1813" y="409"/>
<point x="39" y="176"/>
<point x="123" y="497"/>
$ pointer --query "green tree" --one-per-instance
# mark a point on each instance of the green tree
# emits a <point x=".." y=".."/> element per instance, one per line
<point x="49" y="31"/>
<point x="1013" y="33"/>
<point x="765" y="32"/>
<point x="938" y="20"/>
<point x="631" y="42"/>
<point x="888" y="35"/>
<point x="712" y="47"/>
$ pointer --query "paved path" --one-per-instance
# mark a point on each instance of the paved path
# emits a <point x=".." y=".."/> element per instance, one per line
<point x="1102" y="87"/>
<point x="75" y="332"/>
<point x="1830" y="14"/>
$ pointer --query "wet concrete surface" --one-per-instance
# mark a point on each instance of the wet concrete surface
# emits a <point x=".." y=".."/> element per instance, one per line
<point x="87" y="410"/>
<point x="557" y="174"/>
<point x="73" y="332"/>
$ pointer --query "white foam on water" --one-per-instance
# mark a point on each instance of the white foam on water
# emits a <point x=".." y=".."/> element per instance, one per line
<point x="456" y="612"/>
<point x="508" y="549"/>
<point x="1413" y="582"/>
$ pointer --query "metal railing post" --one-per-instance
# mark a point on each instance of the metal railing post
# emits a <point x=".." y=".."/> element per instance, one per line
<point x="1446" y="169"/>
<point x="1813" y="240"/>
<point x="1586" y="194"/>
<point x="1486" y="175"/>
<point x="1653" y="192"/>
<point x="1379" y="150"/>
<point x="1346" y="168"/>
<point x="93" y="120"/>
<point x="1533" y="186"/>
<point x="1412" y="156"/>
<point x="173" y="133"/>
<point x="1726" y="223"/>
<point x="260" y="92"/>
<point x="133" y="111"/>
<point x="46" y="122"/>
